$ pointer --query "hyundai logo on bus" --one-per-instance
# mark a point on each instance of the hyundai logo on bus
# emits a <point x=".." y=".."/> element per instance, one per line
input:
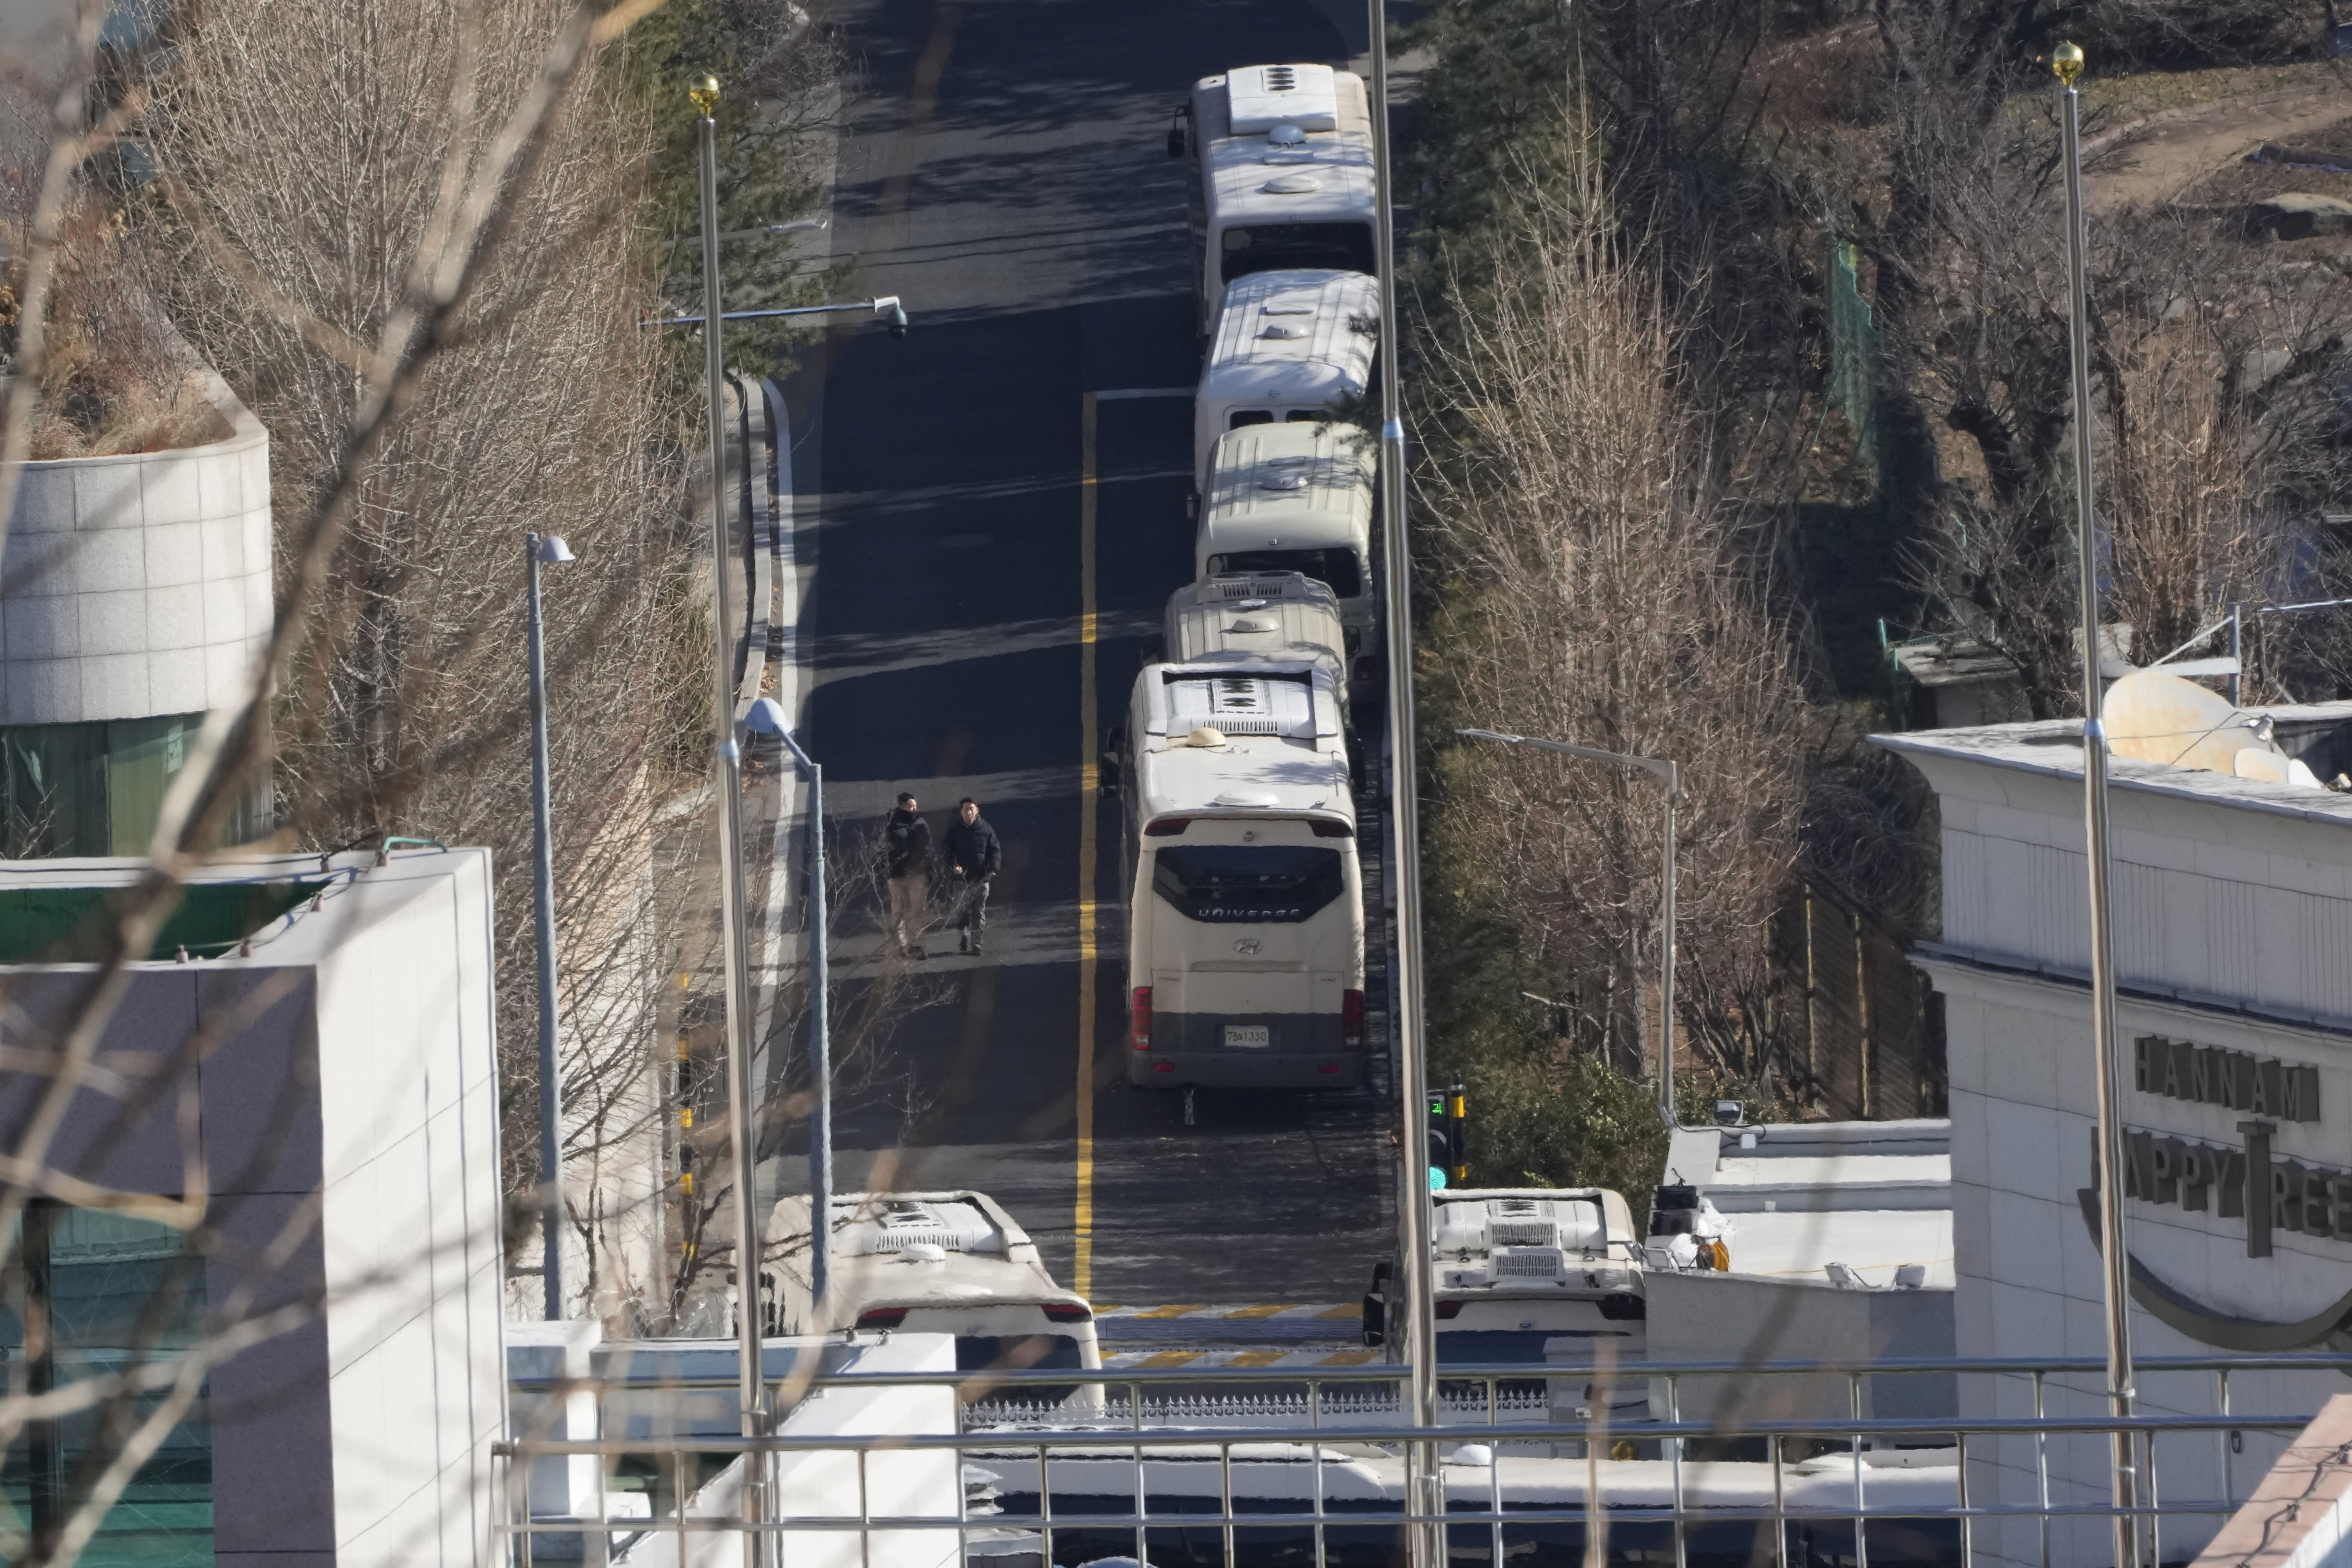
<point x="2212" y="1075"/>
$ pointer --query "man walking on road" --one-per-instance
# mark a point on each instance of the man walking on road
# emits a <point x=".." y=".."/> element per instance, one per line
<point x="911" y="874"/>
<point x="974" y="856"/>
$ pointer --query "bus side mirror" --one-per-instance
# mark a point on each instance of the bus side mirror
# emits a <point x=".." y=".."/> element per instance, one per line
<point x="1175" y="142"/>
<point x="1110" y="767"/>
<point x="1375" y="1320"/>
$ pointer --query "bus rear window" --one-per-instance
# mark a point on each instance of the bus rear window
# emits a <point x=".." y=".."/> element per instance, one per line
<point x="1269" y="883"/>
<point x="1243" y="416"/>
<point x="1296" y="246"/>
<point x="1338" y="568"/>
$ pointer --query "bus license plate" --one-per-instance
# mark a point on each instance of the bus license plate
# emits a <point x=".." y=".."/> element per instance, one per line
<point x="1248" y="1035"/>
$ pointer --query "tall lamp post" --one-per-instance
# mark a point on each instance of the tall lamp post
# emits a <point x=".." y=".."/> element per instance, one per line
<point x="767" y="718"/>
<point x="1670" y="775"/>
<point x="741" y="1092"/>
<point x="1424" y="1484"/>
<point x="546" y="549"/>
<point x="2066" y="61"/>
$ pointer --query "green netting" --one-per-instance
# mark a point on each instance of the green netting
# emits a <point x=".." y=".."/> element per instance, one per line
<point x="68" y="924"/>
<point x="1854" y="345"/>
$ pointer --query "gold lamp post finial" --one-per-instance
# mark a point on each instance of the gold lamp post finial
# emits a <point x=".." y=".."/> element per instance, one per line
<point x="704" y="94"/>
<point x="2066" y="60"/>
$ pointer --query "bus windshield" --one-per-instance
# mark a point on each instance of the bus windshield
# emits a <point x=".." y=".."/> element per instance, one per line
<point x="1276" y="883"/>
<point x="1296" y="247"/>
<point x="1336" y="568"/>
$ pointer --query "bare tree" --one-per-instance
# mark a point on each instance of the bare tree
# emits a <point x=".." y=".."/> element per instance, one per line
<point x="1596" y="587"/>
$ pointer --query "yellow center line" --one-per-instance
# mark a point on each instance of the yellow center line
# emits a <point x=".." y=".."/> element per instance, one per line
<point x="1173" y="1312"/>
<point x="1257" y="1358"/>
<point x="1169" y="1358"/>
<point x="1355" y="1311"/>
<point x="1257" y="1312"/>
<point x="1348" y="1358"/>
<point x="1082" y="1269"/>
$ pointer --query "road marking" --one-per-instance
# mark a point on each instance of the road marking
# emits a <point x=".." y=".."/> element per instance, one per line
<point x="1257" y="1358"/>
<point x="1354" y="1311"/>
<point x="1171" y="1358"/>
<point x="1169" y="1311"/>
<point x="1082" y="1269"/>
<point x="1257" y="1312"/>
<point x="1348" y="1358"/>
<point x="1127" y="393"/>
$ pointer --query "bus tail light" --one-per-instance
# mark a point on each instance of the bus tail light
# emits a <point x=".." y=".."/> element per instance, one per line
<point x="1139" y="1027"/>
<point x="1066" y="1313"/>
<point x="1352" y="1020"/>
<point x="882" y="1318"/>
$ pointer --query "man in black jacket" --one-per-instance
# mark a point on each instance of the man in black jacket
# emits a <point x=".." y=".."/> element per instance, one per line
<point x="973" y="858"/>
<point x="911" y="874"/>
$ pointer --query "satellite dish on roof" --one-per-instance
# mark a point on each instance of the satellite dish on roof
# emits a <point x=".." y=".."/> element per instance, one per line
<point x="2153" y="717"/>
<point x="2260" y="763"/>
<point x="1283" y="134"/>
<point x="1206" y="735"/>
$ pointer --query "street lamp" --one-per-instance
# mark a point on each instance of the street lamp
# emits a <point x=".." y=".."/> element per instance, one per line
<point x="767" y="718"/>
<point x="775" y="229"/>
<point x="741" y="1092"/>
<point x="2066" y="62"/>
<point x="886" y="304"/>
<point x="1669" y="775"/>
<point x="552" y="551"/>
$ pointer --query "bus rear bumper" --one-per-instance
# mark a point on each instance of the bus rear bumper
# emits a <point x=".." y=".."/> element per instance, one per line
<point x="1244" y="1069"/>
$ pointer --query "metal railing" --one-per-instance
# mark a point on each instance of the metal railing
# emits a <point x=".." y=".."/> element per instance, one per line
<point x="1313" y="1455"/>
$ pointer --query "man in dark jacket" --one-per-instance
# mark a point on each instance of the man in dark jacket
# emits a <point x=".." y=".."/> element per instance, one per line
<point x="973" y="858"/>
<point x="909" y="847"/>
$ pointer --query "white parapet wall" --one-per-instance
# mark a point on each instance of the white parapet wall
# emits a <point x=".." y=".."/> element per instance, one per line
<point x="137" y="585"/>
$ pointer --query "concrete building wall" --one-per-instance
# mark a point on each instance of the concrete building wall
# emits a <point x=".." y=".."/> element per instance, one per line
<point x="2233" y="905"/>
<point x="137" y="585"/>
<point x="341" y="1114"/>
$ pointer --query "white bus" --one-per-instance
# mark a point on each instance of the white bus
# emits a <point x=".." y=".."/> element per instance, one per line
<point x="1539" y="1274"/>
<point x="1245" y="911"/>
<point x="1282" y="176"/>
<point x="1298" y="498"/>
<point x="1289" y="348"/>
<point x="938" y="1262"/>
<point x="1252" y="617"/>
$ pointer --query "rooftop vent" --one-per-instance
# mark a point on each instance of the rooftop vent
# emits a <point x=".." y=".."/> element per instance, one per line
<point x="1283" y="331"/>
<point x="1241" y="705"/>
<point x="895" y="1225"/>
<point x="1527" y="1263"/>
<point x="1283" y="482"/>
<point x="1261" y="98"/>
<point x="1292" y="185"/>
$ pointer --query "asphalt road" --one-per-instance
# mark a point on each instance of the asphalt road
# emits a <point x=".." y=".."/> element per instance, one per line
<point x="1002" y="169"/>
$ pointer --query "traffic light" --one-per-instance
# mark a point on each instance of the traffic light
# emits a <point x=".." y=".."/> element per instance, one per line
<point x="1449" y="1128"/>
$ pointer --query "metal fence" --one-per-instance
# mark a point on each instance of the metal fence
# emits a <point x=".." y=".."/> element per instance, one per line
<point x="1237" y="1466"/>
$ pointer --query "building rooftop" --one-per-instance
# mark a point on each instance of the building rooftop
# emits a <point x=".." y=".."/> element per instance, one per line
<point x="2317" y="734"/>
<point x="1799" y="1196"/>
